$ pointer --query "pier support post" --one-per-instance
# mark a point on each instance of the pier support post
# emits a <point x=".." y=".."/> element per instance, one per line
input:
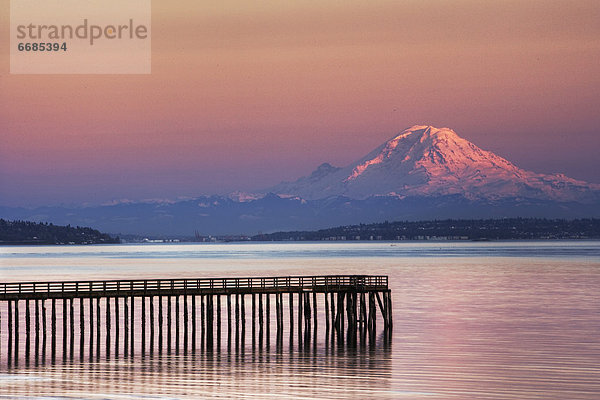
<point x="151" y="324"/>
<point x="389" y="311"/>
<point x="243" y="310"/>
<point x="16" y="331"/>
<point x="209" y="321"/>
<point x="98" y="326"/>
<point x="37" y="329"/>
<point x="218" y="310"/>
<point x="53" y="323"/>
<point x="193" y="323"/>
<point x="300" y="315"/>
<point x="117" y="326"/>
<point x="107" y="327"/>
<point x="132" y="331"/>
<point x="177" y="324"/>
<point x="260" y="317"/>
<point x="44" y="333"/>
<point x="363" y="312"/>
<point x="143" y="344"/>
<point x="277" y="316"/>
<point x="27" y="329"/>
<point x="307" y="312"/>
<point x="326" y="300"/>
<point x="349" y="310"/>
<point x="268" y="317"/>
<point x="64" y="327"/>
<point x="333" y="316"/>
<point x="314" y="296"/>
<point x="229" y="320"/>
<point x="81" y="328"/>
<point x="72" y="328"/>
<point x="169" y="321"/>
<point x="10" y="329"/>
<point x="160" y="324"/>
<point x="372" y="314"/>
<point x="185" y="323"/>
<point x="91" y="312"/>
<point x="253" y="318"/>
<point x="203" y="320"/>
<point x="126" y="323"/>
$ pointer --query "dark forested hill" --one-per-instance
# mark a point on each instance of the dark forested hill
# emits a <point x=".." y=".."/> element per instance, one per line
<point x="496" y="229"/>
<point x="25" y="232"/>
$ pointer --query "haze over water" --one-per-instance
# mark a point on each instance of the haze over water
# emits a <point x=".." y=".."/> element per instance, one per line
<point x="506" y="320"/>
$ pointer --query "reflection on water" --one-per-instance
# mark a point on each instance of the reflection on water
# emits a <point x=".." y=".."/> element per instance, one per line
<point x="471" y="321"/>
<point x="306" y="372"/>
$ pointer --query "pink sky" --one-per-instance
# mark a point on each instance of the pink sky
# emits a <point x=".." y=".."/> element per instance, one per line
<point x="245" y="94"/>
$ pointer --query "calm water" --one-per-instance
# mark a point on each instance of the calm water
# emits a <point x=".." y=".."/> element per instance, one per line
<point x="511" y="320"/>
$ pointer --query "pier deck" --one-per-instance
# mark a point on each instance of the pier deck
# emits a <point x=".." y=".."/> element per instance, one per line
<point x="191" y="286"/>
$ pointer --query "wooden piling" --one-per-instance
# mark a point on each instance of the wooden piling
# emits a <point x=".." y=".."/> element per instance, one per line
<point x="349" y="311"/>
<point x="253" y="317"/>
<point x="229" y="318"/>
<point x="243" y="311"/>
<point x="126" y="323"/>
<point x="314" y="295"/>
<point x="300" y="315"/>
<point x="260" y="316"/>
<point x="108" y="326"/>
<point x="81" y="328"/>
<point x="169" y="321"/>
<point x="143" y="344"/>
<point x="307" y="311"/>
<point x="160" y="324"/>
<point x="132" y="331"/>
<point x="193" y="323"/>
<point x="185" y="323"/>
<point x="151" y="324"/>
<point x="277" y="316"/>
<point x="209" y="321"/>
<point x="10" y="328"/>
<point x="389" y="311"/>
<point x="268" y="317"/>
<point x="326" y="300"/>
<point x="333" y="315"/>
<point x="64" y="327"/>
<point x="71" y="328"/>
<point x="363" y="308"/>
<point x="37" y="328"/>
<point x="203" y="319"/>
<point x="117" y="325"/>
<point x="98" y="326"/>
<point x="176" y="324"/>
<point x="53" y="322"/>
<point x="44" y="331"/>
<point x="27" y="329"/>
<point x="16" y="331"/>
<point x="218" y="320"/>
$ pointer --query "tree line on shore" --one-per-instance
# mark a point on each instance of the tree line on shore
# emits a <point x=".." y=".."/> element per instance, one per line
<point x="26" y="232"/>
<point x="450" y="229"/>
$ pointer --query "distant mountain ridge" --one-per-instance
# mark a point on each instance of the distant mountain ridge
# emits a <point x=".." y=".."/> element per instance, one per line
<point x="423" y="173"/>
<point x="431" y="162"/>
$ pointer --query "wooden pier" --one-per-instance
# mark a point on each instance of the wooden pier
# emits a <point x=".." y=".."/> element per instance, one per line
<point x="123" y="317"/>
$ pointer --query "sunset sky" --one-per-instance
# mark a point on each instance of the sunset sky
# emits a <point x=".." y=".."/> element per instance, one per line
<point x="244" y="94"/>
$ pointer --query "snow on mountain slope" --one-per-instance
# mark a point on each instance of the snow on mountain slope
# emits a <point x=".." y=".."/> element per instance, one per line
<point x="427" y="161"/>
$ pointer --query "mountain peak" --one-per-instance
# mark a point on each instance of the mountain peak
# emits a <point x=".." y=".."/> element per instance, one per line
<point x="427" y="161"/>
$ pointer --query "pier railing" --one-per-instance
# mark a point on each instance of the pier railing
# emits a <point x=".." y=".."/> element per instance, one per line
<point x="324" y="283"/>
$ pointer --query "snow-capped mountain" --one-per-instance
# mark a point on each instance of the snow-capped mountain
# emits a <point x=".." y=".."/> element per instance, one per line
<point x="432" y="162"/>
<point x="424" y="173"/>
